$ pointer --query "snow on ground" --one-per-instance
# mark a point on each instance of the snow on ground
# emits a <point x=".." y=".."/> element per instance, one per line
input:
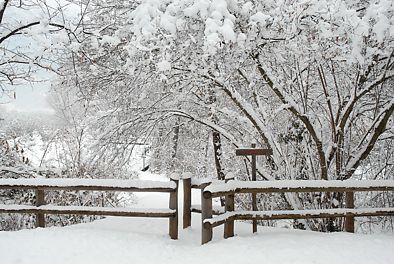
<point x="145" y="240"/>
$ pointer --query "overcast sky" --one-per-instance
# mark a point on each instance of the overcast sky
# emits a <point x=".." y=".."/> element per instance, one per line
<point x="29" y="98"/>
<point x="32" y="97"/>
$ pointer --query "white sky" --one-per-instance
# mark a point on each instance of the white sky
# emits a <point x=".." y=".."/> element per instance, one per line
<point x="30" y="97"/>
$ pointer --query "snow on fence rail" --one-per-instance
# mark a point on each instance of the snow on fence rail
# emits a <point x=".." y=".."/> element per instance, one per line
<point x="230" y="188"/>
<point x="42" y="185"/>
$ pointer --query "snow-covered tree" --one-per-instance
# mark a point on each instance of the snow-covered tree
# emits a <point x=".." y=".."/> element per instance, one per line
<point x="33" y="37"/>
<point x="311" y="80"/>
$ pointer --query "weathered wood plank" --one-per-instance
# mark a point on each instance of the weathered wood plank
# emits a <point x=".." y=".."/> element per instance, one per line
<point x="206" y="213"/>
<point x="252" y="151"/>
<point x="187" y="202"/>
<point x="349" y="220"/>
<point x="88" y="184"/>
<point x="300" y="214"/>
<point x="173" y="205"/>
<point x="298" y="190"/>
<point x="229" y="224"/>
<point x="40" y="200"/>
<point x="254" y="195"/>
<point x="85" y="210"/>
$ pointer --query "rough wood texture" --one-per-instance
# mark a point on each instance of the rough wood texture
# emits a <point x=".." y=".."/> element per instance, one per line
<point x="254" y="198"/>
<point x="173" y="204"/>
<point x="305" y="215"/>
<point x="349" y="219"/>
<point x="229" y="224"/>
<point x="187" y="202"/>
<point x="40" y="200"/>
<point x="297" y="190"/>
<point x="252" y="151"/>
<point x="206" y="213"/>
<point x="87" y="184"/>
<point x="85" y="188"/>
<point x="308" y="216"/>
<point x="85" y="210"/>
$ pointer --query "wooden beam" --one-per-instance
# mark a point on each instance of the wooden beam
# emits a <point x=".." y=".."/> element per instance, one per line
<point x="40" y="200"/>
<point x="254" y="195"/>
<point x="206" y="213"/>
<point x="349" y="220"/>
<point x="187" y="202"/>
<point x="173" y="204"/>
<point x="88" y="185"/>
<point x="309" y="216"/>
<point x="253" y="151"/>
<point x="85" y="210"/>
<point x="299" y="190"/>
<point x="229" y="224"/>
<point x="304" y="215"/>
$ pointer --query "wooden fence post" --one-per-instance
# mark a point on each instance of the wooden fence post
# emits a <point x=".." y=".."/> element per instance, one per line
<point x="206" y="213"/>
<point x="40" y="200"/>
<point x="229" y="207"/>
<point x="229" y="224"/>
<point x="349" y="219"/>
<point x="173" y="223"/>
<point x="187" y="202"/>
<point x="254" y="195"/>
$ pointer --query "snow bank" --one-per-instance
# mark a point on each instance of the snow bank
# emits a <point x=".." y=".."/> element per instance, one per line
<point x="126" y="240"/>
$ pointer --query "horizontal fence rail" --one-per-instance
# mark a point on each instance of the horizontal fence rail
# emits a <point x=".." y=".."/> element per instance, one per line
<point x="42" y="185"/>
<point x="231" y="188"/>
<point x="88" y="184"/>
<point x="280" y="186"/>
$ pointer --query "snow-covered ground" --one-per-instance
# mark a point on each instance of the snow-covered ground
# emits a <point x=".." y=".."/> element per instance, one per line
<point x="145" y="240"/>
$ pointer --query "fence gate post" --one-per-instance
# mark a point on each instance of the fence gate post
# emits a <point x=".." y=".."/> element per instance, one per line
<point x="349" y="219"/>
<point x="173" y="223"/>
<point x="187" y="202"/>
<point x="40" y="200"/>
<point x="206" y="213"/>
<point x="229" y="224"/>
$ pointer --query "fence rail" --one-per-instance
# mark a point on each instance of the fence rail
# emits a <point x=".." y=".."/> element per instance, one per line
<point x="231" y="188"/>
<point x="42" y="185"/>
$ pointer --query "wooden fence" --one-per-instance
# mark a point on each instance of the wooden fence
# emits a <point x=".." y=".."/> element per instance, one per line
<point x="209" y="190"/>
<point x="231" y="188"/>
<point x="188" y="208"/>
<point x="42" y="185"/>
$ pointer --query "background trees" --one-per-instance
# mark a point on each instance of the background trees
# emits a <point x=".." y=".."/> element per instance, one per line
<point x="322" y="68"/>
<point x="311" y="80"/>
<point x="35" y="39"/>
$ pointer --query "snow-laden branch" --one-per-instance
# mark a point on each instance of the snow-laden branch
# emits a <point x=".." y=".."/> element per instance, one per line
<point x="19" y="29"/>
<point x="358" y="95"/>
<point x="293" y="108"/>
<point x="3" y="6"/>
<point x="247" y="109"/>
<point x="378" y="127"/>
<point x="204" y="122"/>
